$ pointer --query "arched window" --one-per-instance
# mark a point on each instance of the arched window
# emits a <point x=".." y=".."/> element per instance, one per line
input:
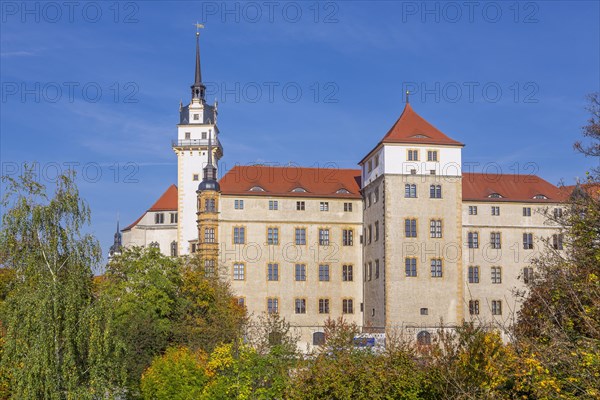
<point x="424" y="338"/>
<point x="173" y="249"/>
<point x="318" y="339"/>
<point x="154" y="245"/>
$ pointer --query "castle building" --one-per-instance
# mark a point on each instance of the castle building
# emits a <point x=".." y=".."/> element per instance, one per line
<point x="404" y="242"/>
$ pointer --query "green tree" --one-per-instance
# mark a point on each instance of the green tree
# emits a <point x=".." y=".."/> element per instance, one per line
<point x="138" y="296"/>
<point x="208" y="315"/>
<point x="47" y="311"/>
<point x="179" y="374"/>
<point x="558" y="329"/>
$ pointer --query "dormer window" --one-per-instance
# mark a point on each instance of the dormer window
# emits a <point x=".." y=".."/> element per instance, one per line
<point x="342" y="191"/>
<point x="421" y="137"/>
<point x="256" y="189"/>
<point x="299" y="190"/>
<point x="495" y="196"/>
<point x="540" y="197"/>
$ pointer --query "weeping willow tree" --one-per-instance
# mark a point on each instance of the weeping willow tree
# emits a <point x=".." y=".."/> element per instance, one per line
<point x="48" y="312"/>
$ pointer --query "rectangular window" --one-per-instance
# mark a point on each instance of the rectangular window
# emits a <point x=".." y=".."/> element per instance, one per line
<point x="300" y="272"/>
<point x="527" y="211"/>
<point x="241" y="301"/>
<point x="239" y="235"/>
<point x="376" y="269"/>
<point x="473" y="240"/>
<point x="528" y="241"/>
<point x="424" y="311"/>
<point x="273" y="236"/>
<point x="410" y="227"/>
<point x="159" y="218"/>
<point x="273" y="205"/>
<point x="196" y="117"/>
<point x="432" y="155"/>
<point x="495" y="240"/>
<point x="347" y="306"/>
<point x="370" y="233"/>
<point x="204" y="135"/>
<point x="209" y="267"/>
<point x="376" y="230"/>
<point x="272" y="305"/>
<point x="324" y="237"/>
<point x="209" y="205"/>
<point x="347" y="273"/>
<point x="495" y="210"/>
<point x="435" y="228"/>
<point x="324" y="206"/>
<point x="413" y="155"/>
<point x="300" y="236"/>
<point x="376" y="160"/>
<point x="238" y="204"/>
<point x="173" y="218"/>
<point x="347" y="207"/>
<point x="370" y="164"/>
<point x="558" y="213"/>
<point x="435" y="191"/>
<point x="527" y="275"/>
<point x="474" y="307"/>
<point x="300" y="306"/>
<point x="557" y="240"/>
<point x="474" y="274"/>
<point x="410" y="190"/>
<point x="300" y="206"/>
<point x="347" y="237"/>
<point x="496" y="275"/>
<point x="472" y="210"/>
<point x="410" y="266"/>
<point x="496" y="307"/>
<point x="188" y="135"/>
<point x="323" y="306"/>
<point x="370" y="271"/>
<point x="324" y="273"/>
<point x="273" y="272"/>
<point x="239" y="272"/>
<point x="376" y="194"/>
<point x="436" y="267"/>
<point x="196" y="177"/>
<point x="209" y="235"/>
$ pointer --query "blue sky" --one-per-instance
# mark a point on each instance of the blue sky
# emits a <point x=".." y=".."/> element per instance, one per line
<point x="98" y="86"/>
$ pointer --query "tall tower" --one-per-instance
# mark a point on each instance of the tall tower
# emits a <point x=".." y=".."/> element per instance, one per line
<point x="197" y="125"/>
<point x="208" y="215"/>
<point x="411" y="183"/>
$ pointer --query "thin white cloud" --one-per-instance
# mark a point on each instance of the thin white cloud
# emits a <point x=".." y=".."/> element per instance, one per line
<point x="20" y="53"/>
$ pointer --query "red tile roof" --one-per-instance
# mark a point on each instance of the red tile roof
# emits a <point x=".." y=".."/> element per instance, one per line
<point x="593" y="189"/>
<point x="411" y="128"/>
<point x="521" y="188"/>
<point x="166" y="202"/>
<point x="281" y="181"/>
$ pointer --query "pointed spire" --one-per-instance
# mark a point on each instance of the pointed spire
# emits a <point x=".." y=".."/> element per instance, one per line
<point x="198" y="75"/>
<point x="210" y="172"/>
<point x="198" y="87"/>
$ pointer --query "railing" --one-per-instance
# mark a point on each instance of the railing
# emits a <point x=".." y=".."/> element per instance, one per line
<point x="194" y="142"/>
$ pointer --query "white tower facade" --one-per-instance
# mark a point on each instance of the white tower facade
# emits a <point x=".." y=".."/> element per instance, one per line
<point x="197" y="123"/>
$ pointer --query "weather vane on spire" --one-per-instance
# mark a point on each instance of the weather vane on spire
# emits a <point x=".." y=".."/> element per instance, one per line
<point x="407" y="94"/>
<point x="198" y="27"/>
